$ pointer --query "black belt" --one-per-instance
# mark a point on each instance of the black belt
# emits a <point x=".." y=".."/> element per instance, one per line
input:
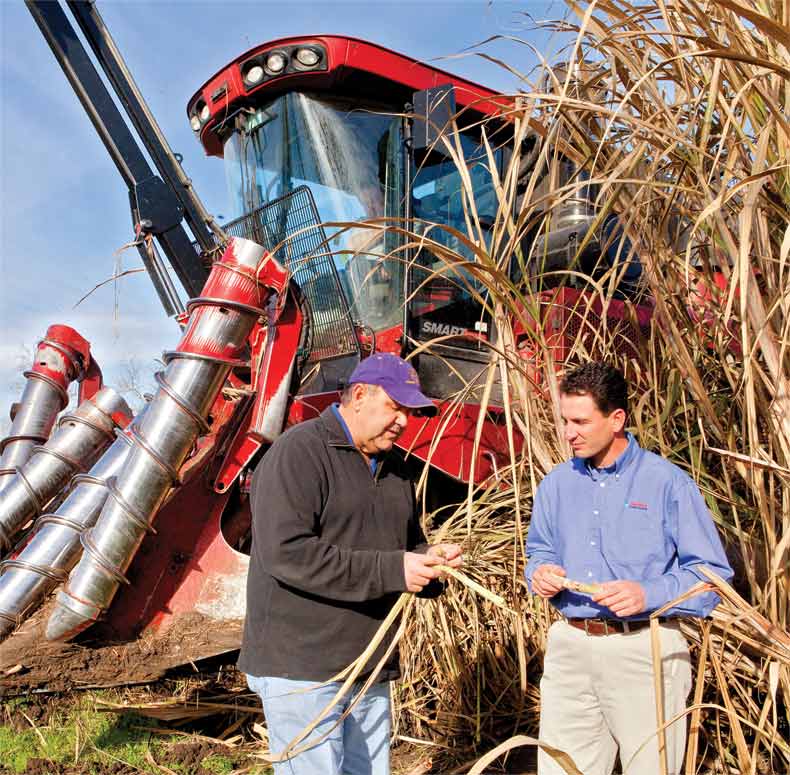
<point x="611" y="626"/>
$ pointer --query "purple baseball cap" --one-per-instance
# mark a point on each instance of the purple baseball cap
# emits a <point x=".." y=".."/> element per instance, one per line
<point x="398" y="379"/>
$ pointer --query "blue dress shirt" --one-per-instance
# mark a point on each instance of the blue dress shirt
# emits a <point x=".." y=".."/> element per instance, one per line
<point x="641" y="519"/>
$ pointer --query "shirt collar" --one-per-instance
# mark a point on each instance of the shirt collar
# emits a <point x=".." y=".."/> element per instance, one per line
<point x="624" y="460"/>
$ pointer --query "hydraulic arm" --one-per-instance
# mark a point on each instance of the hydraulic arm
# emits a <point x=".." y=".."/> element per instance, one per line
<point x="158" y="204"/>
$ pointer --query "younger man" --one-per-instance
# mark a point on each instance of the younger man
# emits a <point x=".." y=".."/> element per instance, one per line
<point x="626" y="519"/>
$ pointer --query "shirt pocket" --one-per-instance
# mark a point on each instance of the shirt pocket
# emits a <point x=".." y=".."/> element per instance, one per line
<point x="639" y="538"/>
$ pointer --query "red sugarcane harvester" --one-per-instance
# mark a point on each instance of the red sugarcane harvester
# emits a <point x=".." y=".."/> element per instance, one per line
<point x="147" y="524"/>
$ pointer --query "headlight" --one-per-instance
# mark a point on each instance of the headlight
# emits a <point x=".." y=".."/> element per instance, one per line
<point x="308" y="57"/>
<point x="253" y="74"/>
<point x="204" y="114"/>
<point x="276" y="62"/>
<point x="194" y="122"/>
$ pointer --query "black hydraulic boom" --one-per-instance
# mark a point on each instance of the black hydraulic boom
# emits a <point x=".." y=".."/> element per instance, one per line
<point x="158" y="204"/>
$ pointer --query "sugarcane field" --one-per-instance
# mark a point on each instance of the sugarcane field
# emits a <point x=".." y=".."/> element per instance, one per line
<point x="431" y="414"/>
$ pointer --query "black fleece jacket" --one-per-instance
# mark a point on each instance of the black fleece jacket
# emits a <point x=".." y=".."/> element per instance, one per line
<point x="327" y="554"/>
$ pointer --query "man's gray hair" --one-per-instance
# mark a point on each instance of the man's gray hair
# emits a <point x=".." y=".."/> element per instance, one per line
<point x="345" y="396"/>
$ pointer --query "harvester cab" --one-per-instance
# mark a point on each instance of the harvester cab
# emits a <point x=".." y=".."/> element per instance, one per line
<point x="361" y="128"/>
<point x="372" y="135"/>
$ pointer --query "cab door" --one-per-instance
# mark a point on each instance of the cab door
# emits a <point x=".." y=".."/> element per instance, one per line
<point x="447" y="305"/>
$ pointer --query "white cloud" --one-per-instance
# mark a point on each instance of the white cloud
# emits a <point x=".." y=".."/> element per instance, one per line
<point x="141" y="334"/>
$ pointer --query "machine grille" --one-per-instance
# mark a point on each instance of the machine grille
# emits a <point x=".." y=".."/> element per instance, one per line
<point x="575" y="325"/>
<point x="289" y="227"/>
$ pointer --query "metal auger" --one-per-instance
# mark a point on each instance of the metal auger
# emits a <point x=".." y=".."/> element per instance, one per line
<point x="75" y="446"/>
<point x="53" y="546"/>
<point x="243" y="285"/>
<point x="60" y="358"/>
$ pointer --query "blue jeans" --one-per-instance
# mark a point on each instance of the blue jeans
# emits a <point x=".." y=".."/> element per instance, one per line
<point x="359" y="745"/>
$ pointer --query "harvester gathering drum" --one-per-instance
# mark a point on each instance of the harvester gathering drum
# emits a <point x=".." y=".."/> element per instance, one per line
<point x="53" y="546"/>
<point x="61" y="357"/>
<point x="76" y="444"/>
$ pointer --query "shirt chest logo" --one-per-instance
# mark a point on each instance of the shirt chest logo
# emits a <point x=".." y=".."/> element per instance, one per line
<point x="637" y="505"/>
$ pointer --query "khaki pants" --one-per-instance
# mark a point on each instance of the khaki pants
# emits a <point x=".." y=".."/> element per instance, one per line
<point x="597" y="696"/>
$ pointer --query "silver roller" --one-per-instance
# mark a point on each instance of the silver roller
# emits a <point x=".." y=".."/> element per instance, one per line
<point x="54" y="545"/>
<point x="76" y="444"/>
<point x="42" y="398"/>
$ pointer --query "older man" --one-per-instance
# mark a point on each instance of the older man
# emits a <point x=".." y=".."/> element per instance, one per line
<point x="336" y="539"/>
<point x="635" y="524"/>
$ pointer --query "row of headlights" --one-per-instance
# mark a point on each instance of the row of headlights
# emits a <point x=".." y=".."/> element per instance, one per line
<point x="277" y="62"/>
<point x="271" y="64"/>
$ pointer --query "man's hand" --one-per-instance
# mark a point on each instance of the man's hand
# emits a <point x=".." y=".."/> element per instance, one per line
<point x="543" y="584"/>
<point x="419" y="569"/>
<point x="624" y="598"/>
<point x="447" y="554"/>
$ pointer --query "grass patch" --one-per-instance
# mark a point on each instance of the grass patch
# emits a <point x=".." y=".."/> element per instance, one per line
<point x="69" y="735"/>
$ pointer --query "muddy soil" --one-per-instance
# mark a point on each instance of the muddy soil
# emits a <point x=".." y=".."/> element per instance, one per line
<point x="46" y="767"/>
<point x="190" y="764"/>
<point x="19" y="718"/>
<point x="192" y="755"/>
<point x="29" y="662"/>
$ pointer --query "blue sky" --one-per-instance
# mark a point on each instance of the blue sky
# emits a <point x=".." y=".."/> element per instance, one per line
<point x="64" y="208"/>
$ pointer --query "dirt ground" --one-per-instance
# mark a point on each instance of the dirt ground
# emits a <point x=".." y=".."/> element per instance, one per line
<point x="188" y="757"/>
<point x="28" y="662"/>
<point x="46" y="767"/>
